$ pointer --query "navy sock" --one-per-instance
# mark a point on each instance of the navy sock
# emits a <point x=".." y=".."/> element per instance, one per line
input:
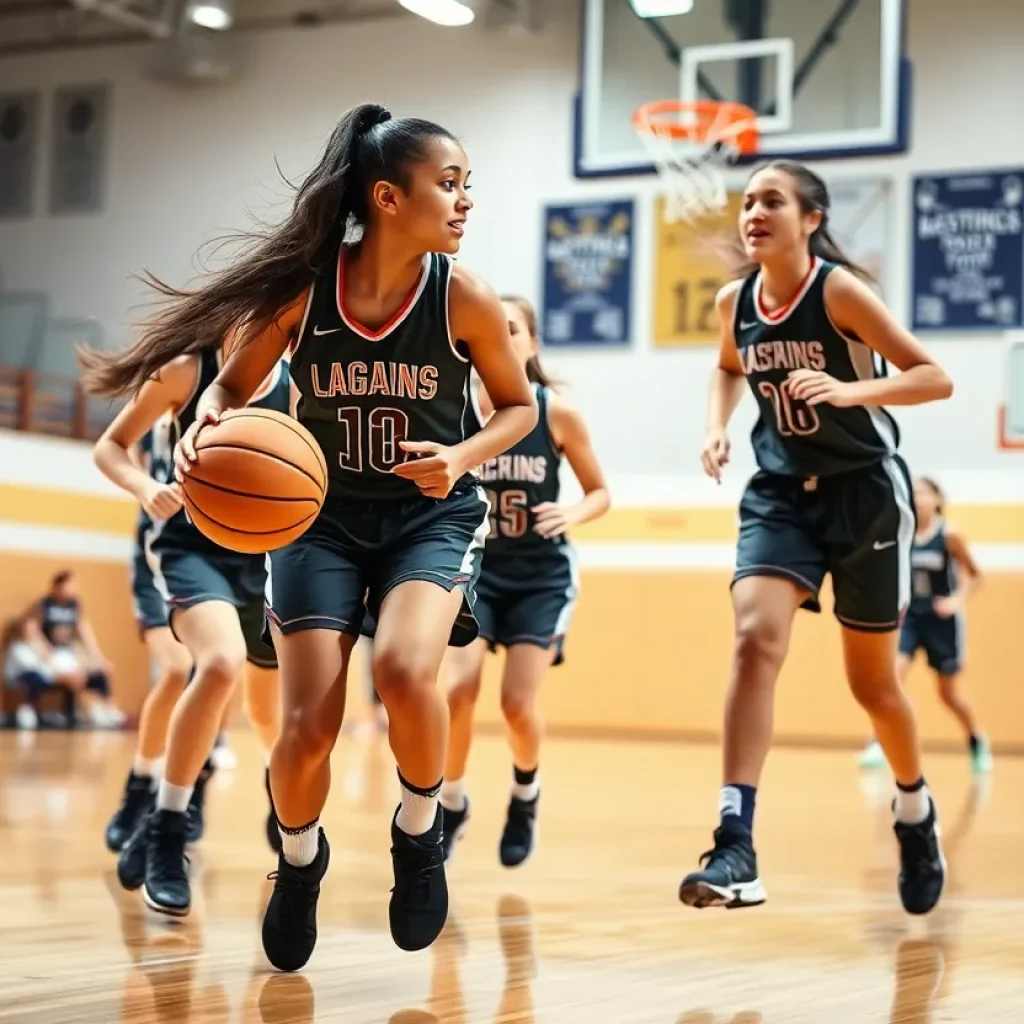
<point x="736" y="803"/>
<point x="524" y="778"/>
<point x="974" y="742"/>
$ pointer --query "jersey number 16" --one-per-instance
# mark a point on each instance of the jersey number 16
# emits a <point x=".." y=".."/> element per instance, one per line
<point x="793" y="416"/>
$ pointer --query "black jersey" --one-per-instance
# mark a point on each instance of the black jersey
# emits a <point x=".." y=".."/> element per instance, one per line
<point x="59" y="619"/>
<point x="178" y="531"/>
<point x="933" y="568"/>
<point x="364" y="391"/>
<point x="516" y="482"/>
<point x="790" y="437"/>
<point x="155" y="457"/>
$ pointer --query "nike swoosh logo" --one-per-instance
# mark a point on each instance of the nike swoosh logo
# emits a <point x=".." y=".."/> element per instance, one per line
<point x="745" y="325"/>
<point x="881" y="545"/>
<point x="317" y="333"/>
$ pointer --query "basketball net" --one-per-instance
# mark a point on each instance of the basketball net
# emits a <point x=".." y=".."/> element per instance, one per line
<point x="690" y="144"/>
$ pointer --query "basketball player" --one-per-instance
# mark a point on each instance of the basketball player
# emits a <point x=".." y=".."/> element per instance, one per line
<point x="216" y="607"/>
<point x="384" y="328"/>
<point x="527" y="588"/>
<point x="171" y="663"/>
<point x="944" y="575"/>
<point x="830" y="495"/>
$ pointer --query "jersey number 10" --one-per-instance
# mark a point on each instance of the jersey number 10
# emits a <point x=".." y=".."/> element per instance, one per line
<point x="386" y="429"/>
<point x="793" y="416"/>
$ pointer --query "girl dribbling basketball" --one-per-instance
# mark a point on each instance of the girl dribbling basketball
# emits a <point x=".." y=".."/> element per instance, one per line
<point x="215" y="599"/>
<point x="830" y="496"/>
<point x="383" y="333"/>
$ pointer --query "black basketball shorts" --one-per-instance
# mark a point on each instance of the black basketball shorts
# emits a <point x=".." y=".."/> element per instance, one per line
<point x="941" y="639"/>
<point x="189" y="578"/>
<point x="355" y="553"/>
<point x="858" y="526"/>
<point x="528" y="600"/>
<point x="150" y="608"/>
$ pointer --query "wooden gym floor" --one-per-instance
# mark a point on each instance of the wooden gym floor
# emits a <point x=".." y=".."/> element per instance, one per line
<point x="589" y="931"/>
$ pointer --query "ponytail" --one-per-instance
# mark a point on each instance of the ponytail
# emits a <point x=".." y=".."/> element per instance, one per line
<point x="274" y="266"/>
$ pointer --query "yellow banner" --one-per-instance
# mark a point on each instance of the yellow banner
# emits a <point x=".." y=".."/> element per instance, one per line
<point x="690" y="266"/>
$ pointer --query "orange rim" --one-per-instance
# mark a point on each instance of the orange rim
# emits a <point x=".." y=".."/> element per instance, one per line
<point x="704" y="121"/>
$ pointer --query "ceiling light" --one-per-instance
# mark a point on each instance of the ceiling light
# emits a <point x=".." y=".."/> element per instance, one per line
<point x="661" y="8"/>
<point x="450" y="13"/>
<point x="213" y="14"/>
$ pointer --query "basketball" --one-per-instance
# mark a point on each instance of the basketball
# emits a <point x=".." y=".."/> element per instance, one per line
<point x="258" y="481"/>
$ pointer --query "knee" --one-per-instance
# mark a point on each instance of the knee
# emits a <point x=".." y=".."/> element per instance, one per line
<point x="518" y="709"/>
<point x="876" y="693"/>
<point x="400" y="674"/>
<point x="306" y="736"/>
<point x="219" y="669"/>
<point x="463" y="694"/>
<point x="175" y="674"/>
<point x="948" y="692"/>
<point x="760" y="640"/>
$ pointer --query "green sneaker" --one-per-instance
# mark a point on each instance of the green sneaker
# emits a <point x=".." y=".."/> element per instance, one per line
<point x="871" y="756"/>
<point x="981" y="758"/>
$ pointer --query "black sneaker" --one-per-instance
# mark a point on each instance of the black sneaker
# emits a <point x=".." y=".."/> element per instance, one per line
<point x="453" y="824"/>
<point x="273" y="832"/>
<point x="520" y="834"/>
<point x="131" y="861"/>
<point x="729" y="874"/>
<point x="166" y="889"/>
<point x="922" y="866"/>
<point x="196" y="803"/>
<point x="289" y="925"/>
<point x="135" y="805"/>
<point x="419" y="900"/>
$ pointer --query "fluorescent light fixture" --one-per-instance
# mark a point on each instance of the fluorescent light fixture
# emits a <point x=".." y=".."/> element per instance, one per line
<point x="450" y="13"/>
<point x="213" y="14"/>
<point x="661" y="8"/>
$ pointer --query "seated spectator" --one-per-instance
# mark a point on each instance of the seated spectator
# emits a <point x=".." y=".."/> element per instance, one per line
<point x="26" y="667"/>
<point x="73" y="651"/>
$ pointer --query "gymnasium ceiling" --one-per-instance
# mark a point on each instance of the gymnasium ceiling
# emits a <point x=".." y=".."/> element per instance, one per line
<point x="32" y="26"/>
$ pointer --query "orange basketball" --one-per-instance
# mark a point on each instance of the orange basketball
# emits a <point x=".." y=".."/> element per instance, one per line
<point x="258" y="481"/>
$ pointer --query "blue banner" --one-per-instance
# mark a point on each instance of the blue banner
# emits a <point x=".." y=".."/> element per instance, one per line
<point x="588" y="274"/>
<point x="968" y="250"/>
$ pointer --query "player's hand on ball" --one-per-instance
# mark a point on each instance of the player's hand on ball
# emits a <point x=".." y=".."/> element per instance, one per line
<point x="551" y="520"/>
<point x="715" y="454"/>
<point x="434" y="469"/>
<point x="185" y="449"/>
<point x="816" y="387"/>
<point x="161" y="501"/>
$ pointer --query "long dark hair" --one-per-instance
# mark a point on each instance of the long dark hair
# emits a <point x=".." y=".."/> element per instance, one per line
<point x="812" y="195"/>
<point x="535" y="372"/>
<point x="276" y="265"/>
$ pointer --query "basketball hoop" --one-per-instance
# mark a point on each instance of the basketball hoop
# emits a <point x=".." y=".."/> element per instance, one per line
<point x="690" y="143"/>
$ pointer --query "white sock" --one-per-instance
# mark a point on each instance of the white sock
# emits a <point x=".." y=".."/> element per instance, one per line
<point x="418" y="810"/>
<point x="453" y="794"/>
<point x="912" y="808"/>
<point x="529" y="792"/>
<point x="300" y="846"/>
<point x="173" y="798"/>
<point x="144" y="767"/>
